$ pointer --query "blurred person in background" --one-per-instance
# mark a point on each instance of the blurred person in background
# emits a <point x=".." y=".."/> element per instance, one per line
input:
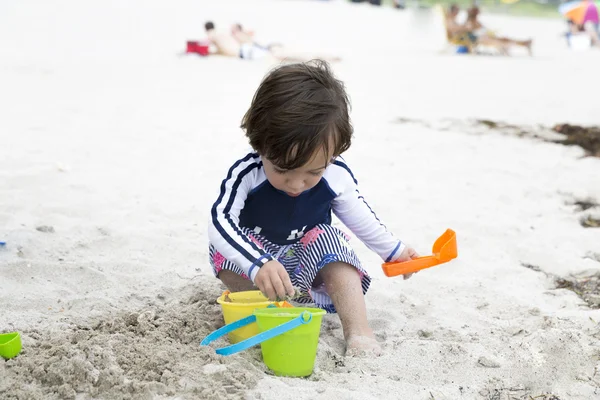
<point x="456" y="33"/>
<point x="245" y="36"/>
<point x="481" y="35"/>
<point x="224" y="43"/>
<point x="242" y="46"/>
<point x="242" y="35"/>
<point x="453" y="28"/>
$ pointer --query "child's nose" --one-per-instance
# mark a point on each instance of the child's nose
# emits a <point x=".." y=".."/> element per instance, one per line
<point x="296" y="185"/>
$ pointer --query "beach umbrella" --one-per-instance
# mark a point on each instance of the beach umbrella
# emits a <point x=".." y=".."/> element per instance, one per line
<point x="580" y="12"/>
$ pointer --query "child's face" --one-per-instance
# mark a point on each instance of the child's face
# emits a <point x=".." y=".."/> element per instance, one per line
<point x="296" y="181"/>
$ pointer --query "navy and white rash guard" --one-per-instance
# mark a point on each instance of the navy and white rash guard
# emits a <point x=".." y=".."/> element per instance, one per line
<point x="248" y="200"/>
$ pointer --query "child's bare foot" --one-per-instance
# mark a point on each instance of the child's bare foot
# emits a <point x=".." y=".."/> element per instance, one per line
<point x="357" y="346"/>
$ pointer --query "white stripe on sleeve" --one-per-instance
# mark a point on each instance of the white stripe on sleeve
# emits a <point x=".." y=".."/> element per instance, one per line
<point x="224" y="231"/>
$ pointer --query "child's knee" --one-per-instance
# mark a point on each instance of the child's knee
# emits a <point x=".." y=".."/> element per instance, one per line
<point x="336" y="269"/>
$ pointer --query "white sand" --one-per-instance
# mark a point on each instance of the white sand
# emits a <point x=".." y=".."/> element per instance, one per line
<point x="119" y="144"/>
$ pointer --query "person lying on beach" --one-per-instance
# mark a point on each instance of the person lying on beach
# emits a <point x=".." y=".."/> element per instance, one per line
<point x="245" y="36"/>
<point x="481" y="35"/>
<point x="227" y="44"/>
<point x="242" y="35"/>
<point x="271" y="224"/>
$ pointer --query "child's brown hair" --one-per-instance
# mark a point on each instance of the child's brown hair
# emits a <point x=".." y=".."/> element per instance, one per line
<point x="298" y="110"/>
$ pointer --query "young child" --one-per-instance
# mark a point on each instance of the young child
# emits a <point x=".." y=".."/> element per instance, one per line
<point x="271" y="224"/>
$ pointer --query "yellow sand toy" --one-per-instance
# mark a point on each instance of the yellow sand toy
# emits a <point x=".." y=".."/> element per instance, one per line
<point x="236" y="306"/>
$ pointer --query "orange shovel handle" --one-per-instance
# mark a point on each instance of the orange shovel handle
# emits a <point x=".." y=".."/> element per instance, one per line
<point x="400" y="268"/>
<point x="444" y="250"/>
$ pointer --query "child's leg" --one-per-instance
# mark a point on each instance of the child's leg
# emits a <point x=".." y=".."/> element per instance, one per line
<point x="230" y="274"/>
<point x="235" y="282"/>
<point x="330" y="275"/>
<point x="343" y="284"/>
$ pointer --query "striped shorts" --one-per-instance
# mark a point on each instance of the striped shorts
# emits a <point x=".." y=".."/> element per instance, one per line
<point x="303" y="260"/>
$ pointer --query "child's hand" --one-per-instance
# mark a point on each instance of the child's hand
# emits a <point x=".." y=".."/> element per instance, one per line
<point x="274" y="281"/>
<point x="408" y="254"/>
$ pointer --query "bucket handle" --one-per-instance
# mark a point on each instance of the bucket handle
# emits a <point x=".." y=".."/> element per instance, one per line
<point x="301" y="319"/>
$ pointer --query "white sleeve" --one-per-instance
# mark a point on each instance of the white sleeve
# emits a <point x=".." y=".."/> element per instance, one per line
<point x="224" y="231"/>
<point x="352" y="209"/>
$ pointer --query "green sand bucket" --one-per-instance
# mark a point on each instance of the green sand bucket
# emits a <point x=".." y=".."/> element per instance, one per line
<point x="292" y="353"/>
<point x="289" y="338"/>
<point x="10" y="344"/>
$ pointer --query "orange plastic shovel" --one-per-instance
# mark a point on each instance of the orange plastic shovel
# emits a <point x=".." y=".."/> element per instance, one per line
<point x="444" y="250"/>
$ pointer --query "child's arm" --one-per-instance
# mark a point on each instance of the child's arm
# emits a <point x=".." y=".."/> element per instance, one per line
<point x="352" y="209"/>
<point x="224" y="231"/>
